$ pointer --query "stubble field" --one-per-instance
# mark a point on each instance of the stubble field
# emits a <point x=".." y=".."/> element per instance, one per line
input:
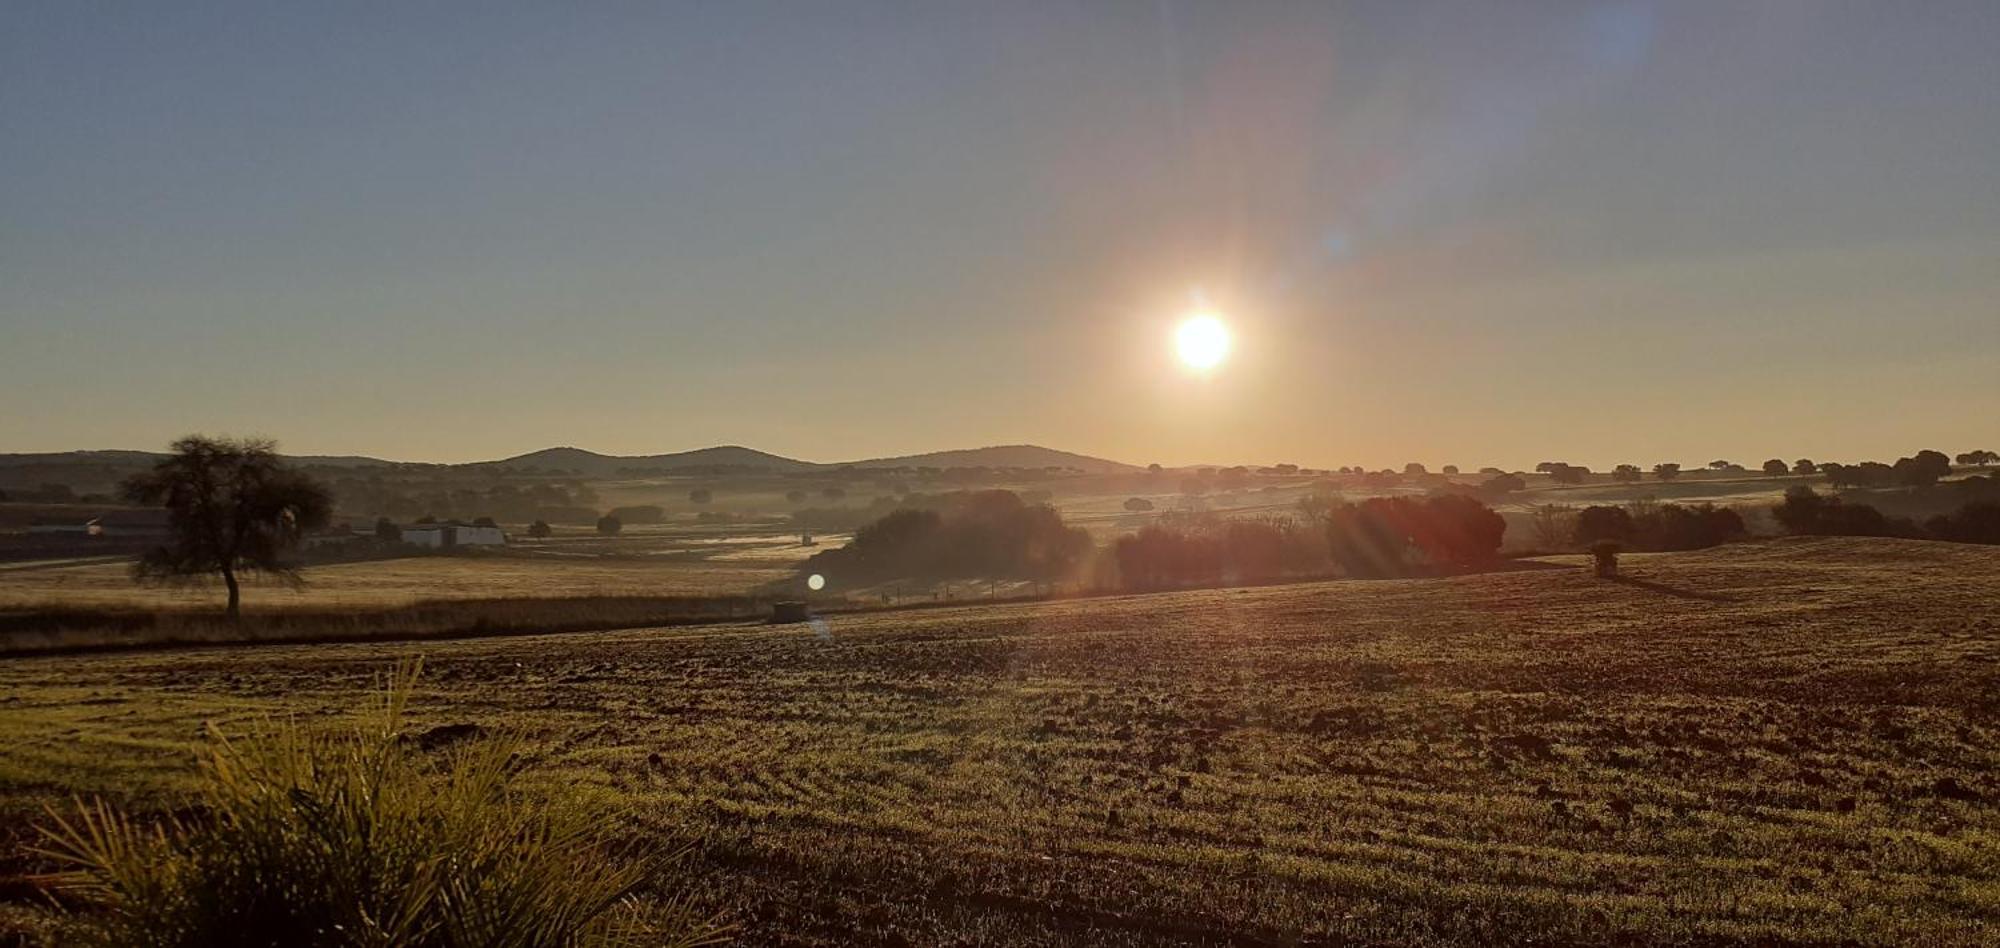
<point x="1781" y="742"/>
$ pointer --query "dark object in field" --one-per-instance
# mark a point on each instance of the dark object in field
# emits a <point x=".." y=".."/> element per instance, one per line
<point x="1604" y="558"/>
<point x="445" y="735"/>
<point x="788" y="611"/>
<point x="1950" y="789"/>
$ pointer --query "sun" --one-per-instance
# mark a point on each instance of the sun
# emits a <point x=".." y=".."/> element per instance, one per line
<point x="1202" y="342"/>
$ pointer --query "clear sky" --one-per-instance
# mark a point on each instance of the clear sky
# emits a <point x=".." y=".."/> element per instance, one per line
<point x="1472" y="233"/>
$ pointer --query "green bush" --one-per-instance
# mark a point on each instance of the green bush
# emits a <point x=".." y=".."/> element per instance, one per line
<point x="359" y="837"/>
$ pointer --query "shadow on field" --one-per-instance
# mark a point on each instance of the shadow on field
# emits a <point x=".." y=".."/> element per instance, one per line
<point x="1674" y="591"/>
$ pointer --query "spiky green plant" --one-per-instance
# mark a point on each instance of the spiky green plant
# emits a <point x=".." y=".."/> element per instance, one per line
<point x="355" y="837"/>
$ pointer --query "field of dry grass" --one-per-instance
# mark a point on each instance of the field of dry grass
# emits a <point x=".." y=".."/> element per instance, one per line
<point x="398" y="582"/>
<point x="1785" y="742"/>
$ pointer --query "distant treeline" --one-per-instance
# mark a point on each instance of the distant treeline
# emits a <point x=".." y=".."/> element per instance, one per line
<point x="1379" y="537"/>
<point x="987" y="534"/>
<point x="998" y="534"/>
<point x="1806" y="512"/>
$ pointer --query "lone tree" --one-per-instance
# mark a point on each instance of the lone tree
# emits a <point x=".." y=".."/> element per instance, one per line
<point x="540" y="529"/>
<point x="1776" y="468"/>
<point x="1666" y="471"/>
<point x="233" y="507"/>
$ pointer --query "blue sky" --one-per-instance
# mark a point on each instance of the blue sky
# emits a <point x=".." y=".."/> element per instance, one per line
<point x="1463" y="233"/>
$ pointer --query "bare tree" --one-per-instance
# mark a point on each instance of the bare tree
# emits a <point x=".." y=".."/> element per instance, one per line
<point x="233" y="507"/>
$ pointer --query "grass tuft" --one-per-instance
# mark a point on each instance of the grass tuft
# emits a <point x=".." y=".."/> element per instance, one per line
<point x="356" y="837"/>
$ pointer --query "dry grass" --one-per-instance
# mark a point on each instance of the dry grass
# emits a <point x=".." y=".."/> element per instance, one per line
<point x="398" y="582"/>
<point x="1790" y="742"/>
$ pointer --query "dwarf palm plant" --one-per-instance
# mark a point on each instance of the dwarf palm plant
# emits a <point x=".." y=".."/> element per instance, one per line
<point x="355" y="838"/>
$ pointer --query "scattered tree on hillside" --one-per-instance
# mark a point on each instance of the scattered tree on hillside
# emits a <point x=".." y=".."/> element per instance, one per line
<point x="832" y="493"/>
<point x="233" y="507"/>
<point x="1568" y="473"/>
<point x="1804" y="467"/>
<point x="1413" y="469"/>
<point x="1980" y="458"/>
<point x="484" y="522"/>
<point x="1776" y="468"/>
<point x="1502" y="485"/>
<point x="1721" y="465"/>
<point x="795" y="497"/>
<point x="1923" y="470"/>
<point x="1451" y="469"/>
<point x="1666" y="471"/>
<point x="609" y="525"/>
<point x="540" y="529"/>
<point x="700" y="495"/>
<point x="1625" y="473"/>
<point x="1138" y="504"/>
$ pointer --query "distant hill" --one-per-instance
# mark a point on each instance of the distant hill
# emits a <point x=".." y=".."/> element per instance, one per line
<point x="592" y="464"/>
<point x="584" y="463"/>
<point x="1006" y="455"/>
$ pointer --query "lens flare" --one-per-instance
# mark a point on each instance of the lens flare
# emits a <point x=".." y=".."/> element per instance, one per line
<point x="815" y="582"/>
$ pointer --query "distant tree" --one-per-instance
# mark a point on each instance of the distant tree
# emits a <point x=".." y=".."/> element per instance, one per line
<point x="540" y="529"/>
<point x="1138" y="504"/>
<point x="1548" y="467"/>
<point x="426" y="520"/>
<point x="1603" y="523"/>
<point x="233" y="507"/>
<point x="609" y="525"/>
<point x="1804" y="467"/>
<point x="1923" y="470"/>
<point x="1721" y="465"/>
<point x="700" y="495"/>
<point x="1776" y="468"/>
<point x="484" y="522"/>
<point x="1666" y="471"/>
<point x="1413" y="469"/>
<point x="1980" y="458"/>
<point x="1501" y="485"/>
<point x="1154" y="469"/>
<point x="1491" y="471"/>
<point x="1568" y="473"/>
<point x="1451" y="469"/>
<point x="1625" y="473"/>
<point x="387" y="531"/>
<point x="833" y="493"/>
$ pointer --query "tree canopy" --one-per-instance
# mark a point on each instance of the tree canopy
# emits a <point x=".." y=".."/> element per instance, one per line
<point x="233" y="508"/>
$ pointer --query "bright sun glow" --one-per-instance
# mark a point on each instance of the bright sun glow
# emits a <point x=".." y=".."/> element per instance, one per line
<point x="1202" y="341"/>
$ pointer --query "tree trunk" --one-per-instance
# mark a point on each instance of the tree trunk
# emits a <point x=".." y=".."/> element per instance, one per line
<point x="235" y="611"/>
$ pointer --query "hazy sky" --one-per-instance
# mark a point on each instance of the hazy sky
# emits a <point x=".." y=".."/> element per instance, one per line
<point x="1477" y="233"/>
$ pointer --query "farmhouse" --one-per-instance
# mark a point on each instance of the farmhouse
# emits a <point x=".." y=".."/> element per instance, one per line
<point x="451" y="535"/>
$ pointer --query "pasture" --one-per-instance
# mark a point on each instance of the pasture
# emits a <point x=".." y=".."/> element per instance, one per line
<point x="1783" y="742"/>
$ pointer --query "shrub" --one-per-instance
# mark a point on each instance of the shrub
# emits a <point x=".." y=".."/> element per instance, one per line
<point x="609" y="525"/>
<point x="359" y="837"/>
<point x="1604" y="558"/>
<point x="638" y="513"/>
<point x="1138" y="504"/>
<point x="540" y="529"/>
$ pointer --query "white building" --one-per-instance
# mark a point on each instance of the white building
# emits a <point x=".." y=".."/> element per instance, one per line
<point x="447" y="536"/>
